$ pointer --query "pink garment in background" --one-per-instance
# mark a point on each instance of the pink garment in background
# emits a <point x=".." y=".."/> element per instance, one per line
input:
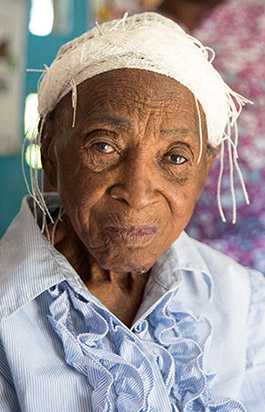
<point x="236" y="30"/>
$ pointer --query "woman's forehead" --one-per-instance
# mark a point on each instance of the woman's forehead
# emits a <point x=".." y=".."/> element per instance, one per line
<point x="132" y="93"/>
<point x="137" y="84"/>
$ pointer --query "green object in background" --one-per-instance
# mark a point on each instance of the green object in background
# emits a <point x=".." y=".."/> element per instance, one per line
<point x="12" y="189"/>
<point x="40" y="51"/>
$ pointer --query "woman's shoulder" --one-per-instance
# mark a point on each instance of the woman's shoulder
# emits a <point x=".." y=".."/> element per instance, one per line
<point x="219" y="263"/>
<point x="232" y="299"/>
<point x="27" y="265"/>
<point x="230" y="278"/>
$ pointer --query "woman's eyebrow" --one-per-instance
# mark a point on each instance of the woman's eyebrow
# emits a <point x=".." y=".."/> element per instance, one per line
<point x="182" y="134"/>
<point x="117" y="122"/>
<point x="177" y="131"/>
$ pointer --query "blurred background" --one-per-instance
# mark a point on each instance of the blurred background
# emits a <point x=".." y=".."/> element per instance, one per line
<point x="31" y="31"/>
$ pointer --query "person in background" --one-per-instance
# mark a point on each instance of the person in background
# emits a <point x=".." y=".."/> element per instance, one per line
<point x="189" y="13"/>
<point x="112" y="9"/>
<point x="236" y="30"/>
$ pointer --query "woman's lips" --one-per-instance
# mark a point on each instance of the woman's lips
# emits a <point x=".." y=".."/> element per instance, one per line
<point x="132" y="235"/>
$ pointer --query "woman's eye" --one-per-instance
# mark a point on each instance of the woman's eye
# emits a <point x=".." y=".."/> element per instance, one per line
<point x="176" y="159"/>
<point x="104" y="148"/>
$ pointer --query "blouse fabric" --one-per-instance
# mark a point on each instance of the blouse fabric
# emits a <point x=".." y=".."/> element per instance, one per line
<point x="236" y="31"/>
<point x="197" y="342"/>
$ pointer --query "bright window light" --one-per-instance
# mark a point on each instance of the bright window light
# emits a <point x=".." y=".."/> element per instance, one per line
<point x="41" y="17"/>
<point x="33" y="156"/>
<point x="31" y="116"/>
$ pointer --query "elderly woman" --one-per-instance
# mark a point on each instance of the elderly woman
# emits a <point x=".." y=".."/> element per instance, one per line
<point x="106" y="303"/>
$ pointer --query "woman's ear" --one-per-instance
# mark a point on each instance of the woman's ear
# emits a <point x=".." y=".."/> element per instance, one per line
<point x="48" y="156"/>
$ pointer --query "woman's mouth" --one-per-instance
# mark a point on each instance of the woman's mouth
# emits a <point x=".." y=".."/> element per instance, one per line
<point x="132" y="235"/>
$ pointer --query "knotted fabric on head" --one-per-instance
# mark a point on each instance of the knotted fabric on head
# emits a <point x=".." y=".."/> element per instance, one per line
<point x="149" y="41"/>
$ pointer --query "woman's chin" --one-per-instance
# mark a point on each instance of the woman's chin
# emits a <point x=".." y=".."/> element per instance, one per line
<point x="126" y="262"/>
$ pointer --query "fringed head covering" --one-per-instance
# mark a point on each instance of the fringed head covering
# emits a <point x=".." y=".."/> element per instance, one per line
<point x="149" y="41"/>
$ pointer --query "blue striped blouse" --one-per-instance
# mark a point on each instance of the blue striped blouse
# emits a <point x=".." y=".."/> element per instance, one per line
<point x="197" y="342"/>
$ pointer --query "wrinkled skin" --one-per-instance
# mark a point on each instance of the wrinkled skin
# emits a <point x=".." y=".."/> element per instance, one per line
<point x="128" y="177"/>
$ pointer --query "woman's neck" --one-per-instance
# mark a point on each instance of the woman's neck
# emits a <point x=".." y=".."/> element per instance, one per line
<point x="121" y="293"/>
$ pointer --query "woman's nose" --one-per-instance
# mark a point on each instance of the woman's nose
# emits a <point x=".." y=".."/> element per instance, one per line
<point x="135" y="185"/>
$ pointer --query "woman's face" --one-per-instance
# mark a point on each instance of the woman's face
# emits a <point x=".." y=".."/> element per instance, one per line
<point x="127" y="172"/>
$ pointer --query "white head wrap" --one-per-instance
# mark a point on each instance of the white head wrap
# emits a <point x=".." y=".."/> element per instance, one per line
<point x="148" y="41"/>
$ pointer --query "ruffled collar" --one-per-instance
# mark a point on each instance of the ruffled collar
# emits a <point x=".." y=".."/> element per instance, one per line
<point x="126" y="368"/>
